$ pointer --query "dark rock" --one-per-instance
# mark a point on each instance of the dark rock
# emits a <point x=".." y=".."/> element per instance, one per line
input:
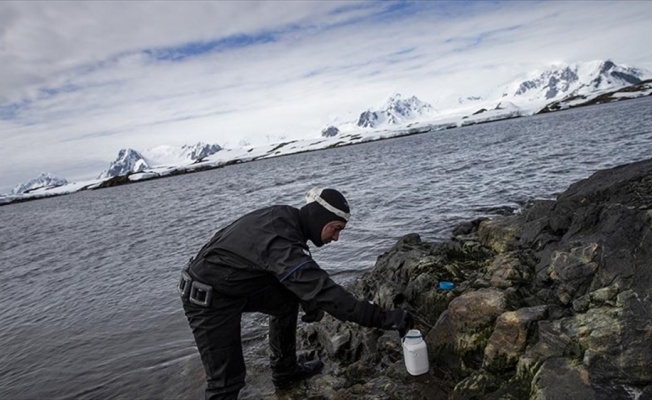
<point x="115" y="181"/>
<point x="501" y="210"/>
<point x="560" y="378"/>
<point x="463" y="229"/>
<point x="330" y="131"/>
<point x="368" y="119"/>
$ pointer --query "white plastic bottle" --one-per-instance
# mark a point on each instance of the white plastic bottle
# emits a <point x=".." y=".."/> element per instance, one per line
<point x="415" y="353"/>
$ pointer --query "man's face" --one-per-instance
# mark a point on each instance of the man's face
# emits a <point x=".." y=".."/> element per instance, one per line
<point x="331" y="231"/>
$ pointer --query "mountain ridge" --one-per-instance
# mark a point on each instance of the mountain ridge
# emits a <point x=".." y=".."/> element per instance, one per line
<point x="46" y="180"/>
<point x="395" y="111"/>
<point x="564" y="86"/>
<point x="572" y="79"/>
<point x="132" y="161"/>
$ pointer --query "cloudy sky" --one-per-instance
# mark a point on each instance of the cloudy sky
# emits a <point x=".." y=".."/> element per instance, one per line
<point x="80" y="80"/>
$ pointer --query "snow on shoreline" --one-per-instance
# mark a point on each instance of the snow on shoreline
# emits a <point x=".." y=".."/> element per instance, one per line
<point x="223" y="158"/>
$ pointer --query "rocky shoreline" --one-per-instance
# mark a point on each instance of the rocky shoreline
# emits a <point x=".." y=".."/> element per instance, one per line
<point x="554" y="302"/>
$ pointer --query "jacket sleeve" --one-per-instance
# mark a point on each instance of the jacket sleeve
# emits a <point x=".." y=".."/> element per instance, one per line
<point x="313" y="285"/>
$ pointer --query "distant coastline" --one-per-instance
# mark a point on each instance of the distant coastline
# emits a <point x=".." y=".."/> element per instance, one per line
<point x="275" y="150"/>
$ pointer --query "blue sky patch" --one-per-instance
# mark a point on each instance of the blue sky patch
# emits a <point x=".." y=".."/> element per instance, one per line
<point x="53" y="91"/>
<point x="195" y="49"/>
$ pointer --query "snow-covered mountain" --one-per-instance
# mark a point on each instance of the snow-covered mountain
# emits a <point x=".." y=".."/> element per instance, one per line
<point x="576" y="79"/>
<point x="628" y="92"/>
<point x="186" y="154"/>
<point x="555" y="88"/>
<point x="396" y="111"/>
<point x="128" y="161"/>
<point x="582" y="82"/>
<point x="199" y="151"/>
<point x="46" y="180"/>
<point x="131" y="161"/>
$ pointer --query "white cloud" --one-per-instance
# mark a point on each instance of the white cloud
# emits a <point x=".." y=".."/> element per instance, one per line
<point x="76" y="78"/>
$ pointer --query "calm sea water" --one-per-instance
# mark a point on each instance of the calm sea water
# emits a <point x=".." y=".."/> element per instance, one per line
<point x="88" y="307"/>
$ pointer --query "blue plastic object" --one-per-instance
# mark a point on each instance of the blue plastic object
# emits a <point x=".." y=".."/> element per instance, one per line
<point x="446" y="285"/>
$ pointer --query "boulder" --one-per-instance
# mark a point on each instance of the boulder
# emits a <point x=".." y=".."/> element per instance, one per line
<point x="509" y="337"/>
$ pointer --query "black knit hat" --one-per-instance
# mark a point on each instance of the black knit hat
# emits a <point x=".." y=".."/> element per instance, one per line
<point x="324" y="206"/>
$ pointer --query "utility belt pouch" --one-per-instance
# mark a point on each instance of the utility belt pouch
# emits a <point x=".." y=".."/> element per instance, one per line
<point x="201" y="294"/>
<point x="185" y="283"/>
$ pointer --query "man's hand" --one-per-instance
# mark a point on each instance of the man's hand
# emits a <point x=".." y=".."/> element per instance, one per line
<point x="399" y="320"/>
<point x="311" y="312"/>
<point x="313" y="316"/>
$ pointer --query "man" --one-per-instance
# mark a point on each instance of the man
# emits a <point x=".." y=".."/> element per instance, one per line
<point x="262" y="263"/>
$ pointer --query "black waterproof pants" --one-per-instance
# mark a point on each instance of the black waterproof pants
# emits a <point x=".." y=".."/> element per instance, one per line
<point x="217" y="333"/>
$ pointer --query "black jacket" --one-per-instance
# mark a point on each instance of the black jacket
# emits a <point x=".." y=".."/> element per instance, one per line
<point x="268" y="246"/>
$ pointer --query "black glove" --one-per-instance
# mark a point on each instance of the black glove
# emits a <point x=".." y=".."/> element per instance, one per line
<point x="399" y="320"/>
<point x="313" y="316"/>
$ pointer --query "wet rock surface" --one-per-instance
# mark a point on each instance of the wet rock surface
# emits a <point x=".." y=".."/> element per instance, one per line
<point x="551" y="303"/>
